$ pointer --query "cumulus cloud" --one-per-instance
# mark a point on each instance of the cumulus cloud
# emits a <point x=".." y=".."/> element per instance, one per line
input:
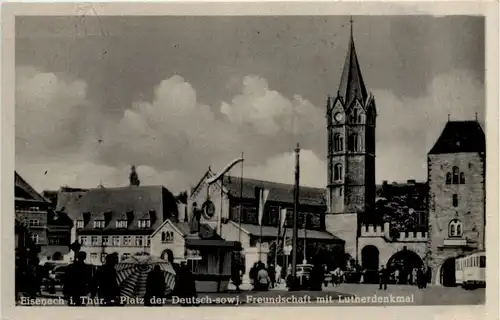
<point x="407" y="128"/>
<point x="281" y="168"/>
<point x="269" y="112"/>
<point x="172" y="138"/>
<point x="176" y="131"/>
<point x="52" y="175"/>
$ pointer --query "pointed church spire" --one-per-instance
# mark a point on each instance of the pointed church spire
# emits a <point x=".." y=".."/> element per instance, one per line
<point x="352" y="85"/>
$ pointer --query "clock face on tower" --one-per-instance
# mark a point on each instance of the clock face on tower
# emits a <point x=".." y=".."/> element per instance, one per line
<point x="338" y="116"/>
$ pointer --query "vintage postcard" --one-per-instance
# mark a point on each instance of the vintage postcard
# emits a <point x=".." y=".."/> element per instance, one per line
<point x="251" y="155"/>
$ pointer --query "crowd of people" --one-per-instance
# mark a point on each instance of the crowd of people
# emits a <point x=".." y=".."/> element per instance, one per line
<point x="417" y="276"/>
<point x="84" y="280"/>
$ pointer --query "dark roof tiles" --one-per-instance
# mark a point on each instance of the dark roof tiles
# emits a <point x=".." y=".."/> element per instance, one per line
<point x="278" y="192"/>
<point x="460" y="136"/>
<point x="352" y="85"/>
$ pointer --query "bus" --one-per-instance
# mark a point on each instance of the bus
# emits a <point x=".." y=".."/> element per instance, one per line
<point x="470" y="271"/>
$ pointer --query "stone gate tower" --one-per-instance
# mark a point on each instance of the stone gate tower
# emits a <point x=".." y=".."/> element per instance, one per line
<point x="351" y="118"/>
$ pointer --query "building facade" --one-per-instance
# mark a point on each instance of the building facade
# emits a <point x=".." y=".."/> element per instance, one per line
<point x="117" y="220"/>
<point x="58" y="229"/>
<point x="235" y="199"/>
<point x="31" y="211"/>
<point x="457" y="217"/>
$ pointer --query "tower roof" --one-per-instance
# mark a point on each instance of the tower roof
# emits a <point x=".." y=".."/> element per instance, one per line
<point x="460" y="136"/>
<point x="352" y="85"/>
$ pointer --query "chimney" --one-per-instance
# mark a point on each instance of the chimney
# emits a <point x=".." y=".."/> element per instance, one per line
<point x="107" y="217"/>
<point x="152" y="217"/>
<point x="130" y="217"/>
<point x="86" y="218"/>
<point x="134" y="178"/>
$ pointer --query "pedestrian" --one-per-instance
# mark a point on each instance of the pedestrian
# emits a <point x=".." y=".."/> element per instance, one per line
<point x="263" y="279"/>
<point x="414" y="276"/>
<point x="317" y="275"/>
<point x="382" y="274"/>
<point x="396" y="276"/>
<point x="253" y="275"/>
<point x="420" y="278"/>
<point x="272" y="275"/>
<point x="155" y="287"/>
<point x="235" y="276"/>
<point x="185" y="285"/>
<point x="428" y="276"/>
<point x="77" y="280"/>
<point x="278" y="274"/>
<point x="106" y="284"/>
<point x="362" y="276"/>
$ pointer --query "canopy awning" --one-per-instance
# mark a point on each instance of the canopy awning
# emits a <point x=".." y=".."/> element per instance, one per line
<point x="213" y="243"/>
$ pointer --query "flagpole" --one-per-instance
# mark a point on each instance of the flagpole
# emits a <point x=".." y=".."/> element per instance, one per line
<point x="241" y="199"/>
<point x="305" y="242"/>
<point x="295" y="220"/>
<point x="260" y="241"/>
<point x="219" y="218"/>
<point x="277" y="237"/>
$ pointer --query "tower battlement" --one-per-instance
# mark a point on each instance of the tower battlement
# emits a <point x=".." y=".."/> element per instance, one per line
<point x="383" y="231"/>
<point x="370" y="230"/>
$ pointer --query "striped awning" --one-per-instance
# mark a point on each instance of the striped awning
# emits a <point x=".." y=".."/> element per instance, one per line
<point x="132" y="275"/>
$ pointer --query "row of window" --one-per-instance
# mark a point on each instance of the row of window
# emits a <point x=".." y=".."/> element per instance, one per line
<point x="96" y="257"/>
<point x="30" y="209"/>
<point x="352" y="142"/>
<point x="126" y="241"/>
<point x="59" y="240"/>
<point x="476" y="261"/>
<point x="33" y="223"/>
<point x="121" y="224"/>
<point x="455" y="177"/>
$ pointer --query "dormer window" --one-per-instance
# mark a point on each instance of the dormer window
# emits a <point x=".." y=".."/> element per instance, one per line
<point x="99" y="224"/>
<point x="121" y="224"/>
<point x="145" y="223"/>
<point x="79" y="224"/>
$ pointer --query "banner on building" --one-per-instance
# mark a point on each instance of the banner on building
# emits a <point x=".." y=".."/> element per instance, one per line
<point x="283" y="213"/>
<point x="261" y="196"/>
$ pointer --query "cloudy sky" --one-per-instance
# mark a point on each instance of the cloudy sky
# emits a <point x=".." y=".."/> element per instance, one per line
<point x="173" y="95"/>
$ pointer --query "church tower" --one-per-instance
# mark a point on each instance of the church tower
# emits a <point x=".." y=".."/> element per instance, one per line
<point x="351" y="118"/>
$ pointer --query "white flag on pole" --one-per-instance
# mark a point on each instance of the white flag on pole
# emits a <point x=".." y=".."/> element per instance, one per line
<point x="262" y="195"/>
<point x="283" y="217"/>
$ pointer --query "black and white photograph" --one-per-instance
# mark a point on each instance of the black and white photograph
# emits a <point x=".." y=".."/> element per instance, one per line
<point x="250" y="160"/>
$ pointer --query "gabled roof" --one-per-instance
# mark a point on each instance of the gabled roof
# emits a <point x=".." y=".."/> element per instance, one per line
<point x="118" y="202"/>
<point x="24" y="191"/>
<point x="183" y="228"/>
<point x="352" y="85"/>
<point x="279" y="192"/>
<point x="460" y="136"/>
<point x="66" y="196"/>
